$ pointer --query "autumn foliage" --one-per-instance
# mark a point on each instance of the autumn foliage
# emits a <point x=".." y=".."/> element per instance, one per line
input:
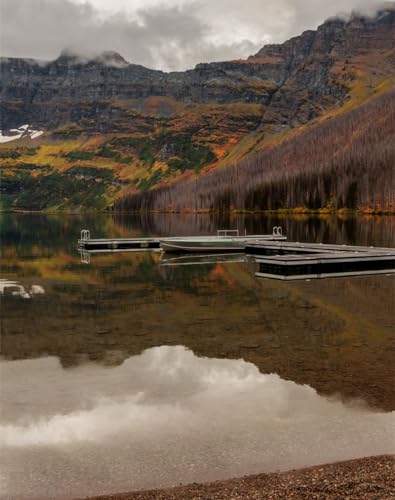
<point x="346" y="161"/>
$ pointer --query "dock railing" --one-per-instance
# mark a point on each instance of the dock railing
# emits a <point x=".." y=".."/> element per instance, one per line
<point x="85" y="235"/>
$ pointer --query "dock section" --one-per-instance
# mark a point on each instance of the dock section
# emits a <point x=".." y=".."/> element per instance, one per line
<point x="225" y="241"/>
<point x="273" y="256"/>
<point x="290" y="261"/>
<point x="97" y="245"/>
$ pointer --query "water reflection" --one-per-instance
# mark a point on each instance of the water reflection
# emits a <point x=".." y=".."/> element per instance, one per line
<point x="347" y="229"/>
<point x="164" y="417"/>
<point x="17" y="290"/>
<point x="335" y="335"/>
<point x="38" y="234"/>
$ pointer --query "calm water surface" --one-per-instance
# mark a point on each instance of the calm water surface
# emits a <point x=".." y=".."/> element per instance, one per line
<point x="126" y="373"/>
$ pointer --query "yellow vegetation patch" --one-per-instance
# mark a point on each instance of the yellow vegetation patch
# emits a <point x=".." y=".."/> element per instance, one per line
<point x="51" y="154"/>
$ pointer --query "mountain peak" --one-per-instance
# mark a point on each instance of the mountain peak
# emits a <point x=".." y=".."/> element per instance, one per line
<point x="70" y="57"/>
<point x="111" y="58"/>
<point x="330" y="32"/>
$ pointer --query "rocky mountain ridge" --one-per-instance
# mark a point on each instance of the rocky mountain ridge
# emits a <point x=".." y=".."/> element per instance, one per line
<point x="134" y="128"/>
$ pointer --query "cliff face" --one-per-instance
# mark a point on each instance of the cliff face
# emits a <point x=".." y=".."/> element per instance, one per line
<point x="319" y="67"/>
<point x="151" y="127"/>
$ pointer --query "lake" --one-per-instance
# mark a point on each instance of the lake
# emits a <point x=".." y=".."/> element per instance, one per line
<point x="126" y="373"/>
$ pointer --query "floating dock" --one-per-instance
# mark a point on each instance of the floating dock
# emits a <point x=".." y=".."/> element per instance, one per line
<point x="291" y="261"/>
<point x="224" y="241"/>
<point x="273" y="256"/>
<point x="97" y="245"/>
<point x="119" y="244"/>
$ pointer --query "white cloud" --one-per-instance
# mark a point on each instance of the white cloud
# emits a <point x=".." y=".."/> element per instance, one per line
<point x="172" y="34"/>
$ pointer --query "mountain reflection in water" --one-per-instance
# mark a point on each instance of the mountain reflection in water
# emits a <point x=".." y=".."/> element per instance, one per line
<point x="128" y="420"/>
<point x="167" y="416"/>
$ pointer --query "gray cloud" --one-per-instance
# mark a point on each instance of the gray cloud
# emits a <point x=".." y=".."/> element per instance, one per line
<point x="167" y="36"/>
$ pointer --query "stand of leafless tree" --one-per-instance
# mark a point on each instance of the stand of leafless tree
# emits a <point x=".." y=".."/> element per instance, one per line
<point x="345" y="162"/>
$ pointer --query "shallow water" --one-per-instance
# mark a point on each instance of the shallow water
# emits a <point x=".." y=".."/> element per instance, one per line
<point x="124" y="373"/>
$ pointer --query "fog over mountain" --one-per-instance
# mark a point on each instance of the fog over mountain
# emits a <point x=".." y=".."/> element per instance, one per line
<point x="162" y="34"/>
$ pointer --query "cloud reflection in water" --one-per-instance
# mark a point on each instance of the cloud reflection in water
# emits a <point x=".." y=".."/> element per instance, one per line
<point x="168" y="416"/>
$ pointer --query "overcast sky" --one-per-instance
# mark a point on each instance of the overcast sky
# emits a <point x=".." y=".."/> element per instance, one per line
<point x="161" y="34"/>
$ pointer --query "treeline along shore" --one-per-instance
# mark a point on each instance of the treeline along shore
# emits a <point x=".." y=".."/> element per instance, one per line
<point x="344" y="162"/>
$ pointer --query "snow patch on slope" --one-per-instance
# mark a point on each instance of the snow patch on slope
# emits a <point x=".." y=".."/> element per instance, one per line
<point x="17" y="133"/>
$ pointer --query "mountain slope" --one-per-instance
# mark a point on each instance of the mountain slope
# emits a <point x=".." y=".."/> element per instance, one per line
<point x="112" y="128"/>
<point x="347" y="161"/>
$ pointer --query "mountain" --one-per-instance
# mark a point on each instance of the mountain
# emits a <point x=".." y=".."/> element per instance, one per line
<point x="114" y="129"/>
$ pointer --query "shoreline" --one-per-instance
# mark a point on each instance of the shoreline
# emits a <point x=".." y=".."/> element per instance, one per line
<point x="282" y="212"/>
<point x="364" y="478"/>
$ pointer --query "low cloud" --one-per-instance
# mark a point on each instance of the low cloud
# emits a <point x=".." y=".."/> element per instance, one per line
<point x="170" y="36"/>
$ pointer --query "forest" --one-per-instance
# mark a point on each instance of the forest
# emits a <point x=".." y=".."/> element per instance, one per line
<point x="342" y="162"/>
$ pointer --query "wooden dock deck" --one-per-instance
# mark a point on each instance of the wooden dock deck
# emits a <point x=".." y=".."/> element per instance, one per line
<point x="96" y="245"/>
<point x="119" y="244"/>
<point x="290" y="261"/>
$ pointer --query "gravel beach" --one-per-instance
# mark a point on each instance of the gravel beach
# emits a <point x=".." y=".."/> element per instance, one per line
<point x="371" y="477"/>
